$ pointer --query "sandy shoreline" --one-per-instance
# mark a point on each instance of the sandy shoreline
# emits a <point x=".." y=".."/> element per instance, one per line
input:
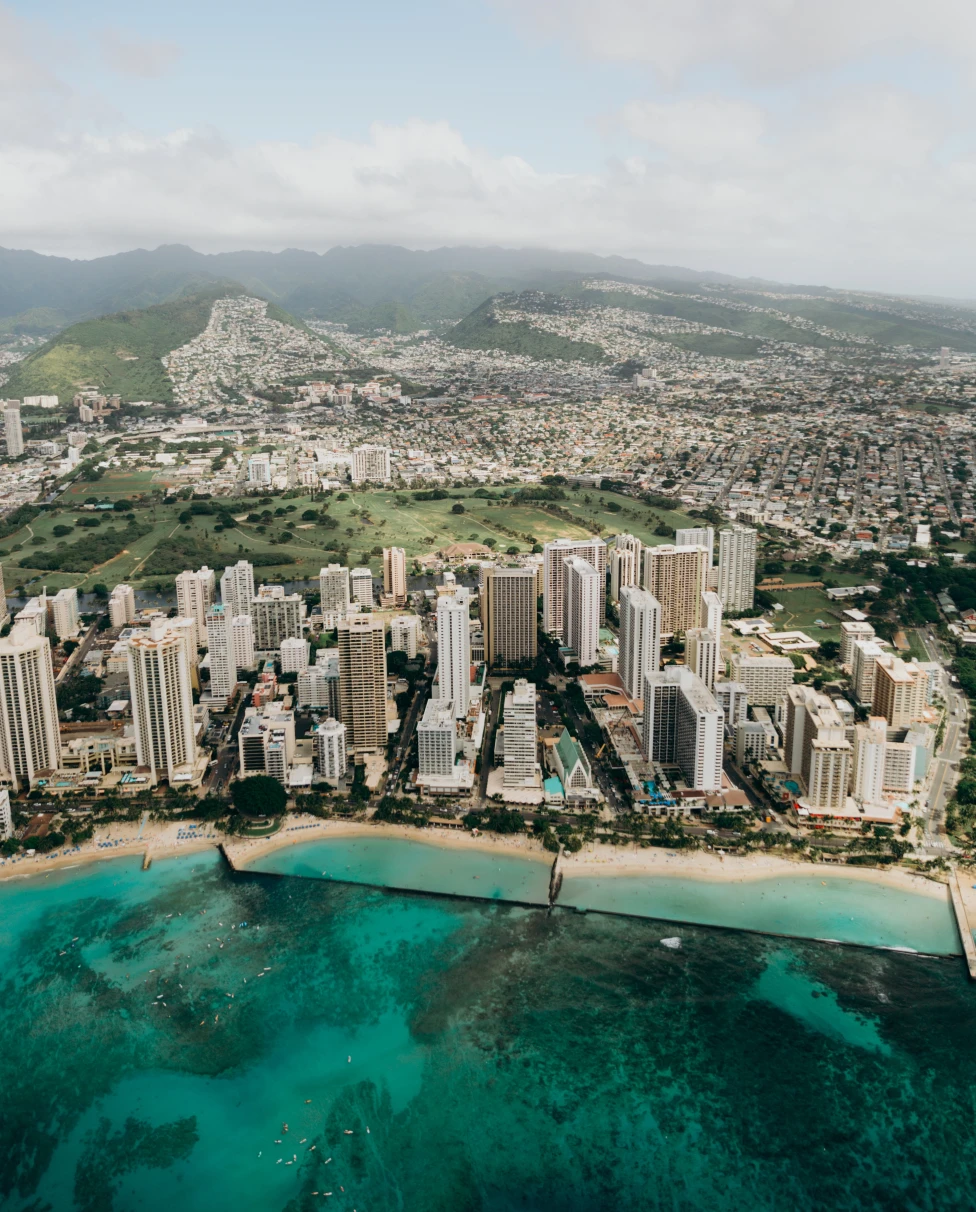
<point x="596" y="860"/>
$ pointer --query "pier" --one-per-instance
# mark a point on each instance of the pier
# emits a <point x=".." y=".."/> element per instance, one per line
<point x="962" y="921"/>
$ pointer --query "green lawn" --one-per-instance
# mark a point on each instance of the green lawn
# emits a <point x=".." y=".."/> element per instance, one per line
<point x="801" y="607"/>
<point x="421" y="527"/>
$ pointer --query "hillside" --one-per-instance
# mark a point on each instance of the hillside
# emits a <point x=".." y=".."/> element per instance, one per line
<point x="626" y="321"/>
<point x="120" y="353"/>
<point x="505" y="323"/>
<point x="366" y="287"/>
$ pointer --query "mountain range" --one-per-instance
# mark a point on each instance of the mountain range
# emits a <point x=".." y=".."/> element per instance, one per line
<point x="109" y="321"/>
<point x="369" y="286"/>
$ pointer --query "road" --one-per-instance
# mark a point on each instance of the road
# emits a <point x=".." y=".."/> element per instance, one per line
<point x="815" y="486"/>
<point x="227" y="755"/>
<point x="79" y="654"/>
<point x="944" y="481"/>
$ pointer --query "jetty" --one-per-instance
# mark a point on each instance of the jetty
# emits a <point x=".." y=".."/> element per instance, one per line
<point x="962" y="921"/>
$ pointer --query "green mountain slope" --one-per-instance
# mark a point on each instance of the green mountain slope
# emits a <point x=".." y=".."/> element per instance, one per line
<point x="749" y="323"/>
<point x="484" y="329"/>
<point x="885" y="327"/>
<point x="119" y="353"/>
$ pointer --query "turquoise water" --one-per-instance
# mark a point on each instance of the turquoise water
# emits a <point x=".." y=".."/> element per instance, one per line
<point x="806" y="906"/>
<point x="391" y="862"/>
<point x="503" y="1059"/>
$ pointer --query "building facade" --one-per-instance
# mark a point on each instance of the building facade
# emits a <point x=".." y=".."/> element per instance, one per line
<point x="30" y="739"/>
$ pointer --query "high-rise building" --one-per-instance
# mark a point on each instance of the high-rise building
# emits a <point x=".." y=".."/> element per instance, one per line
<point x="509" y="607"/>
<point x="625" y="563"/>
<point x="266" y="741"/>
<point x="194" y="594"/>
<point x="361" y="586"/>
<point x="276" y="616"/>
<point x="870" y="746"/>
<point x="624" y="571"/>
<point x="362" y="683"/>
<point x="259" y="469"/>
<point x="454" y="650"/>
<point x="594" y="551"/>
<point x="6" y="816"/>
<point x="329" y="739"/>
<point x="30" y="739"/>
<point x="684" y="726"/>
<point x="371" y="464"/>
<point x="830" y="772"/>
<point x="737" y="567"/>
<point x="395" y="574"/>
<point x="405" y="634"/>
<point x="242" y="638"/>
<point x="318" y="685"/>
<point x="65" y="607"/>
<point x="520" y="736"/>
<point x="223" y="665"/>
<point x="4" y="611"/>
<point x="35" y="613"/>
<point x="900" y="691"/>
<point x="676" y="576"/>
<point x="162" y="702"/>
<point x="583" y="589"/>
<point x="850" y="633"/>
<point x="711" y="618"/>
<point x="697" y="536"/>
<point x="701" y="654"/>
<point x="766" y="679"/>
<point x="187" y="630"/>
<point x="294" y="654"/>
<point x="334" y="589"/>
<point x="237" y="588"/>
<point x="122" y="606"/>
<point x="437" y="739"/>
<point x="640" y="638"/>
<point x="864" y="655"/>
<point x="733" y="699"/>
<point x="809" y="715"/>
<point x="13" y="431"/>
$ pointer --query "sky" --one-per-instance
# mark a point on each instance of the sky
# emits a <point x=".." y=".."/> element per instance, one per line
<point x="829" y="143"/>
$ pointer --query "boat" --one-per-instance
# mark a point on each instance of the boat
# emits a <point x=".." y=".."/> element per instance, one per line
<point x="674" y="943"/>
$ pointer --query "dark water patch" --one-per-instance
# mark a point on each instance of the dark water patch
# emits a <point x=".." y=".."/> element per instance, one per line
<point x="459" y="1056"/>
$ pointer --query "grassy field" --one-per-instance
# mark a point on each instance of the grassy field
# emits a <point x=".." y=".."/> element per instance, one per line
<point x="802" y="607"/>
<point x="367" y="522"/>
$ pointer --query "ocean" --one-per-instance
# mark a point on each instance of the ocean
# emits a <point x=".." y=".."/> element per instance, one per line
<point x="159" y="1030"/>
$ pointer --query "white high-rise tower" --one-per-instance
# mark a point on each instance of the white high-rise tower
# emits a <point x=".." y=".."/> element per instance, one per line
<point x="237" y="588"/>
<point x="13" y="431"/>
<point x="737" y="567"/>
<point x="640" y="638"/>
<point x="582" y="598"/>
<point x="454" y="650"/>
<point x="223" y="663"/>
<point x="30" y="740"/>
<point x="194" y="593"/>
<point x="162" y="701"/>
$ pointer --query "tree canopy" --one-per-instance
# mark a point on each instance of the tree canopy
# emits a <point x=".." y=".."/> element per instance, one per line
<point x="259" y="795"/>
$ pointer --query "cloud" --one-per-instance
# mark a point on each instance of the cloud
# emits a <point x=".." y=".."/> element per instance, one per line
<point x="867" y="186"/>
<point x="132" y="56"/>
<point x="766" y="40"/>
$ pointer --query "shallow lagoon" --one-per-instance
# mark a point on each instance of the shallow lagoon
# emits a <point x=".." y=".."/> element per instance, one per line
<point x="502" y="1058"/>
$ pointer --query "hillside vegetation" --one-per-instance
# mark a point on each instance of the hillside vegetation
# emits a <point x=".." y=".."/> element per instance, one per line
<point x="484" y="330"/>
<point x="119" y="353"/>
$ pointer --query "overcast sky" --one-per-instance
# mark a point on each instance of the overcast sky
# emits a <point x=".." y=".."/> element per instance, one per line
<point x="828" y="142"/>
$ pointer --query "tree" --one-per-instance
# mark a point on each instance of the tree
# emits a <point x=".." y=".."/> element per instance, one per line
<point x="259" y="795"/>
<point x="457" y="507"/>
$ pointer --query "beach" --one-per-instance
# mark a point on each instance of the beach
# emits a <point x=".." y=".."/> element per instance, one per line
<point x="159" y="840"/>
